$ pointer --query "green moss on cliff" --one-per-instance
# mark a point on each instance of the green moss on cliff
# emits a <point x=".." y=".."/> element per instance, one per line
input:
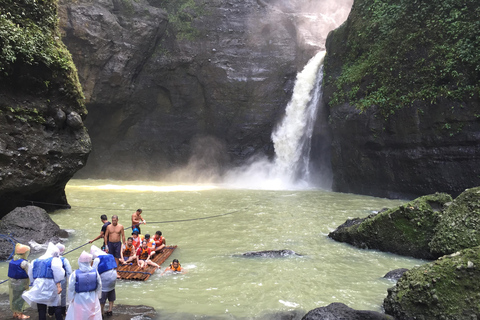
<point x="448" y="288"/>
<point x="33" y="59"/>
<point x="400" y="51"/>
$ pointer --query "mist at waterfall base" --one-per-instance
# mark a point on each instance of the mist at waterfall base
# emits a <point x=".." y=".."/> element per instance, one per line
<point x="290" y="168"/>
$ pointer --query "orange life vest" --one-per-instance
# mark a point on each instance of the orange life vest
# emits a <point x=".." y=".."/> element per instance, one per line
<point x="128" y="250"/>
<point x="143" y="254"/>
<point x="159" y="241"/>
<point x="179" y="268"/>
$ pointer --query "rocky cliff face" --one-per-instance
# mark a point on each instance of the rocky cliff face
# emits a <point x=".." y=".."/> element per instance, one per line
<point x="402" y="84"/>
<point x="43" y="141"/>
<point x="166" y="79"/>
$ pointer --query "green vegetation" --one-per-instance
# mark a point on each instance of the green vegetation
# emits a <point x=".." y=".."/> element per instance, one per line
<point x="458" y="228"/>
<point x="399" y="51"/>
<point x="32" y="54"/>
<point x="23" y="114"/>
<point x="181" y="14"/>
<point x="445" y="289"/>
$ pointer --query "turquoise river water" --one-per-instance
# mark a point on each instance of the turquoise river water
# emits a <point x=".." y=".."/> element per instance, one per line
<point x="219" y="284"/>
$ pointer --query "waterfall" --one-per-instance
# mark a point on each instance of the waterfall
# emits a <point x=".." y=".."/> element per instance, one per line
<point x="292" y="138"/>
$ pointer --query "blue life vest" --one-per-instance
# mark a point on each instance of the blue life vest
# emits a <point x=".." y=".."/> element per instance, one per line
<point x="85" y="281"/>
<point x="107" y="262"/>
<point x="43" y="268"/>
<point x="15" y="271"/>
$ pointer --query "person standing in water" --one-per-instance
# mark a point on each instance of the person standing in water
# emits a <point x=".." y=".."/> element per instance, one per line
<point x="105" y="222"/>
<point x="18" y="280"/>
<point x="136" y="218"/>
<point x="113" y="235"/>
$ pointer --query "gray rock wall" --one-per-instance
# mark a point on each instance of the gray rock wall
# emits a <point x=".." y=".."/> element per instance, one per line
<point x="151" y="93"/>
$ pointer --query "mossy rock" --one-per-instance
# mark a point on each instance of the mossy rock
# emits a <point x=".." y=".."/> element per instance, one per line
<point x="448" y="289"/>
<point x="406" y="230"/>
<point x="460" y="224"/>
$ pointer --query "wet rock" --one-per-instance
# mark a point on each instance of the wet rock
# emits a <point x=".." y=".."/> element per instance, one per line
<point x="406" y="229"/>
<point x="458" y="228"/>
<point x="74" y="120"/>
<point x="28" y="224"/>
<point x="269" y="254"/>
<point x="395" y="274"/>
<point x="340" y="311"/>
<point x="31" y="119"/>
<point x="445" y="289"/>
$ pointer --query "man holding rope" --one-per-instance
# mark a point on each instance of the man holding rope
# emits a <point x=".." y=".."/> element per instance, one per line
<point x="105" y="222"/>
<point x="136" y="218"/>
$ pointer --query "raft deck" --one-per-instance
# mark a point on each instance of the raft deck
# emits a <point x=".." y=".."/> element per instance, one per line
<point x="134" y="272"/>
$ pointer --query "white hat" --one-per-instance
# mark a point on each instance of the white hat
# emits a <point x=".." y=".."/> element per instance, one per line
<point x="85" y="257"/>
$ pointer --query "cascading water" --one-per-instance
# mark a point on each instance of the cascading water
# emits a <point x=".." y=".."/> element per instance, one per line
<point x="291" y="138"/>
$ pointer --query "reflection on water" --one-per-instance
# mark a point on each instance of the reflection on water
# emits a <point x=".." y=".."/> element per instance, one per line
<point x="219" y="283"/>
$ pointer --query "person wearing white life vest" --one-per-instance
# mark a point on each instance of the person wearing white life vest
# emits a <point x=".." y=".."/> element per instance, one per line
<point x="107" y="268"/>
<point x="18" y="280"/>
<point x="84" y="291"/>
<point x="45" y="274"/>
<point x="68" y="271"/>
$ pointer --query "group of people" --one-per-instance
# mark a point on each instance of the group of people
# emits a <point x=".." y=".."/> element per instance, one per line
<point x="91" y="285"/>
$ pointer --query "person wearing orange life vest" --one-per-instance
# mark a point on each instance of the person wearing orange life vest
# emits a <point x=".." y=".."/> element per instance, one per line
<point x="128" y="253"/>
<point x="150" y="242"/>
<point x="174" y="267"/>
<point x="159" y="241"/>
<point x="144" y="253"/>
<point x="137" y="238"/>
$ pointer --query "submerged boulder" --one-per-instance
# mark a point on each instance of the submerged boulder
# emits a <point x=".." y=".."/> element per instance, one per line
<point x="405" y="230"/>
<point x="27" y="224"/>
<point x="448" y="288"/>
<point x="270" y="254"/>
<point x="340" y="311"/>
<point x="458" y="228"/>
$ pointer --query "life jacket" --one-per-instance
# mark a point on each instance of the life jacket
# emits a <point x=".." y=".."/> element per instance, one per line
<point x="159" y="241"/>
<point x="43" y="268"/>
<point x="128" y="250"/>
<point x="143" y="254"/>
<point x="151" y="244"/>
<point x="15" y="271"/>
<point x="85" y="281"/>
<point x="107" y="262"/>
<point x="138" y="241"/>
<point x="178" y="269"/>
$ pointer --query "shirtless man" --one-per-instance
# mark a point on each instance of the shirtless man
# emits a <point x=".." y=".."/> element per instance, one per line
<point x="136" y="218"/>
<point x="113" y="234"/>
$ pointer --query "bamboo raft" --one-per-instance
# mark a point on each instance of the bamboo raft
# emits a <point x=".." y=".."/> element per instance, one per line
<point x="134" y="272"/>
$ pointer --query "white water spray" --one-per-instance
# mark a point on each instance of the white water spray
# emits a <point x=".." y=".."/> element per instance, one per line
<point x="291" y="138"/>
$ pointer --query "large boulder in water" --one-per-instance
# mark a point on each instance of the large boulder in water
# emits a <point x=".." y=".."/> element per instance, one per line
<point x="28" y="224"/>
<point x="458" y="227"/>
<point x="406" y="230"/>
<point x="340" y="311"/>
<point x="448" y="289"/>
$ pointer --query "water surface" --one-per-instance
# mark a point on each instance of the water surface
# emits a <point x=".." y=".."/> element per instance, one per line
<point x="219" y="283"/>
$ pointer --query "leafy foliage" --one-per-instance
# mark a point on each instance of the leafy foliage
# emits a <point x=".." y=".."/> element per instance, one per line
<point x="181" y="14"/>
<point x="401" y="51"/>
<point x="29" y="36"/>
